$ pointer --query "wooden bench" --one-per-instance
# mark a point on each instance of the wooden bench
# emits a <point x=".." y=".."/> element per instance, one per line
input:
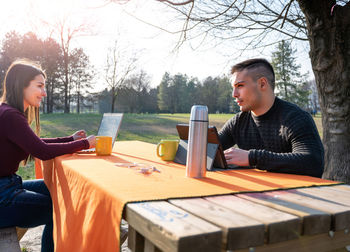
<point x="309" y="219"/>
<point x="9" y="241"/>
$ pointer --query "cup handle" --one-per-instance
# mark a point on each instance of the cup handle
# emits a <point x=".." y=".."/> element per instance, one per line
<point x="158" y="146"/>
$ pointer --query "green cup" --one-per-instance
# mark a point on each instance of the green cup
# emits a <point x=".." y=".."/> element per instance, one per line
<point x="166" y="149"/>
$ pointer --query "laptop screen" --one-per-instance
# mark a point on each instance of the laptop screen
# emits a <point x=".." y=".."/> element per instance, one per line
<point x="110" y="125"/>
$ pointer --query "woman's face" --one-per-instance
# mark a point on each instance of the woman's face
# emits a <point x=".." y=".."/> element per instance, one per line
<point x="34" y="93"/>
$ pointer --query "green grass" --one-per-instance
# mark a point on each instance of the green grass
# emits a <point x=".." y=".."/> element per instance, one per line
<point x="149" y="128"/>
<point x="54" y="125"/>
<point x="27" y="172"/>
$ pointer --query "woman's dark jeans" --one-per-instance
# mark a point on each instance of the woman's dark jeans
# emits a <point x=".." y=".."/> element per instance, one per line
<point x="26" y="205"/>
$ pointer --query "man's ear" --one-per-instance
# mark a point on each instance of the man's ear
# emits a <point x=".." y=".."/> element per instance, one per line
<point x="263" y="83"/>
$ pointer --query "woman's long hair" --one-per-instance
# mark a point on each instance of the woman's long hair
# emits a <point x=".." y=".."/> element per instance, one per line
<point x="17" y="78"/>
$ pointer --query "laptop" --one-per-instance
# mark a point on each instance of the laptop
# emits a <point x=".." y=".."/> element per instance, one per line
<point x="109" y="126"/>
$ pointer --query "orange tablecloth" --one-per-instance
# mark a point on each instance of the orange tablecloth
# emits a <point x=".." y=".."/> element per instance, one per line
<point x="90" y="192"/>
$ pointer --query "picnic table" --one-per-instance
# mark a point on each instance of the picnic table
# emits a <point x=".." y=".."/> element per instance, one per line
<point x="243" y="210"/>
<point x="309" y="219"/>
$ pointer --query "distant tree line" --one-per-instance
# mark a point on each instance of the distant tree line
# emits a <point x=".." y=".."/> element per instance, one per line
<point x="70" y="77"/>
<point x="178" y="93"/>
<point x="175" y="94"/>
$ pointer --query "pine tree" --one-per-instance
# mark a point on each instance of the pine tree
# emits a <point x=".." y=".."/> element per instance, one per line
<point x="164" y="93"/>
<point x="290" y="83"/>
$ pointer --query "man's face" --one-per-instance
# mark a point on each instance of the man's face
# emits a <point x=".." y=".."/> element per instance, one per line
<point x="246" y="91"/>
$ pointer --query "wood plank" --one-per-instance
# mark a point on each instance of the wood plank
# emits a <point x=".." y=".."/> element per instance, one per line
<point x="340" y="215"/>
<point x="313" y="220"/>
<point x="171" y="228"/>
<point x="340" y="187"/>
<point x="239" y="231"/>
<point x="21" y="232"/>
<point x="8" y="240"/>
<point x="136" y="242"/>
<point x="327" y="194"/>
<point x="319" y="243"/>
<point x="280" y="226"/>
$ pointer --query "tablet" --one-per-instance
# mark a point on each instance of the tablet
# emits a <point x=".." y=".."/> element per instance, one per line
<point x="215" y="153"/>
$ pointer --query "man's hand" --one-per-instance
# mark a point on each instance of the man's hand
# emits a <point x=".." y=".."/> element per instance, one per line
<point x="237" y="156"/>
<point x="79" y="134"/>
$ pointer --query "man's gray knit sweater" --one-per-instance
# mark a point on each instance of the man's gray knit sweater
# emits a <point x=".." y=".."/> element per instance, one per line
<point x="284" y="139"/>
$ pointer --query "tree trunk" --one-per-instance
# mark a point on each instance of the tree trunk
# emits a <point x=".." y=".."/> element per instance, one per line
<point x="329" y="37"/>
<point x="113" y="99"/>
<point x="78" y="103"/>
<point x="51" y="99"/>
<point x="48" y="99"/>
<point x="66" y="82"/>
<point x="43" y="108"/>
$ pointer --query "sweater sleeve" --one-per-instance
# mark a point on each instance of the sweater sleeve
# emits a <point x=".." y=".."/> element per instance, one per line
<point x="307" y="152"/>
<point x="19" y="132"/>
<point x="226" y="134"/>
<point x="58" y="139"/>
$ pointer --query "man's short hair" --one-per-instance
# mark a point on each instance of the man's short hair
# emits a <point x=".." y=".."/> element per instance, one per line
<point x="257" y="68"/>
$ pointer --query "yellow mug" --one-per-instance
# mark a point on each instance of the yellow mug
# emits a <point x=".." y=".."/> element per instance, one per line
<point x="103" y="145"/>
<point x="166" y="149"/>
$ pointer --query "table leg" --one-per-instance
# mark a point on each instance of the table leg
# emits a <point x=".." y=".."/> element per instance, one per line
<point x="149" y="246"/>
<point x="136" y="242"/>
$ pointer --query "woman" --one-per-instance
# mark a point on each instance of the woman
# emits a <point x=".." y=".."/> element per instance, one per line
<point x="28" y="203"/>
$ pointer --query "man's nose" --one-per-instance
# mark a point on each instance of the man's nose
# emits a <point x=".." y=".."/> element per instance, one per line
<point x="234" y="92"/>
<point x="43" y="92"/>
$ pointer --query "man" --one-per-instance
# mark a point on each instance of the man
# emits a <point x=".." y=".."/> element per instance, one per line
<point x="271" y="134"/>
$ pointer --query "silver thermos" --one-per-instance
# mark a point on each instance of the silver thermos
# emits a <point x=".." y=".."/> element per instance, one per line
<point x="196" y="163"/>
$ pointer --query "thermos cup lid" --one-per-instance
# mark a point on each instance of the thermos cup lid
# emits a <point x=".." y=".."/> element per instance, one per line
<point x="199" y="113"/>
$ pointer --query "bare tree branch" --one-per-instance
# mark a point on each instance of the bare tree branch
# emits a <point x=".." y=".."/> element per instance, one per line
<point x="230" y="17"/>
<point x="118" y="68"/>
<point x="177" y="4"/>
<point x="185" y="27"/>
<point x="285" y="16"/>
<point x="234" y="20"/>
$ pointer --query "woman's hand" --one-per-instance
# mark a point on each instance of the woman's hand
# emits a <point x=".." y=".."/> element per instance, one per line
<point x="92" y="141"/>
<point x="79" y="134"/>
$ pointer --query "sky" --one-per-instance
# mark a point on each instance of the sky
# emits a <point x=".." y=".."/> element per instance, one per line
<point x="145" y="28"/>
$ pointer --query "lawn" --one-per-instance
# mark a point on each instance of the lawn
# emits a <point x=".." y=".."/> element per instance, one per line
<point x="144" y="127"/>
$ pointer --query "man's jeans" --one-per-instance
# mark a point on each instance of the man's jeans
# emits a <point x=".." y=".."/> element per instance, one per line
<point x="26" y="205"/>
